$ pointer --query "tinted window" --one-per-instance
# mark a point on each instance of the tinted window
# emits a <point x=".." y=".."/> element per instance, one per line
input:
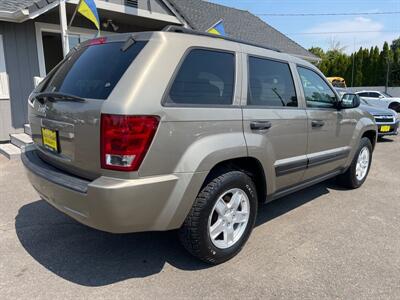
<point x="93" y="71"/>
<point x="374" y="95"/>
<point x="270" y="83"/>
<point x="364" y="94"/>
<point x="316" y="90"/>
<point x="205" y="77"/>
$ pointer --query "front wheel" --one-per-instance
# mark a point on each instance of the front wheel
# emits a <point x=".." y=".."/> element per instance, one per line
<point x="221" y="219"/>
<point x="358" y="171"/>
<point x="395" y="106"/>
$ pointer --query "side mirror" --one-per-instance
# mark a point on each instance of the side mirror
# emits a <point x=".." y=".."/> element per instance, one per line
<point x="349" y="101"/>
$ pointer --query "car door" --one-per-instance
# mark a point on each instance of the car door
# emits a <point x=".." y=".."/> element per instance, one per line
<point x="329" y="130"/>
<point x="275" y="123"/>
<point x="374" y="99"/>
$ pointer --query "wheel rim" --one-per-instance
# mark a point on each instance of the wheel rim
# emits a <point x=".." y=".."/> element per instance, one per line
<point x="228" y="219"/>
<point x="362" y="164"/>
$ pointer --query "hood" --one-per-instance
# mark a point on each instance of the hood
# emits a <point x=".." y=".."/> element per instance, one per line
<point x="373" y="110"/>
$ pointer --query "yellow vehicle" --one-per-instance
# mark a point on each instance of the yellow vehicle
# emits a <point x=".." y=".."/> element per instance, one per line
<point x="337" y="82"/>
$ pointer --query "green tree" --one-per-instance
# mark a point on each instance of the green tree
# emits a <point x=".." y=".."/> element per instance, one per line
<point x="385" y="59"/>
<point x="366" y="62"/>
<point x="358" y="68"/>
<point x="317" y="51"/>
<point x="374" y="67"/>
<point x="395" y="44"/>
<point x="395" y="73"/>
<point x="367" y="67"/>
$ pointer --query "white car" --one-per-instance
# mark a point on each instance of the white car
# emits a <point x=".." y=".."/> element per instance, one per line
<point x="380" y="99"/>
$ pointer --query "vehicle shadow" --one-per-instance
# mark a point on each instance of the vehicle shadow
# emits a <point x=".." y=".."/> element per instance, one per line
<point x="281" y="206"/>
<point x="385" y="140"/>
<point x="90" y="257"/>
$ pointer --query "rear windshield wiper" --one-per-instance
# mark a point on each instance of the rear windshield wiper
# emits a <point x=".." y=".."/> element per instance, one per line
<point x="56" y="96"/>
<point x="128" y="43"/>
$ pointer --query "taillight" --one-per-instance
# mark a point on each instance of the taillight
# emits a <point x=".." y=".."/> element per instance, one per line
<point x="125" y="140"/>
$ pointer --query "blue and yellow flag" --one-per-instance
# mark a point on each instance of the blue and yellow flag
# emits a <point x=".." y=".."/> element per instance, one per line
<point x="217" y="28"/>
<point x="87" y="8"/>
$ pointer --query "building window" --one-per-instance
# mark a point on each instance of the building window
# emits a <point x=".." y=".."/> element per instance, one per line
<point x="206" y="77"/>
<point x="131" y="3"/>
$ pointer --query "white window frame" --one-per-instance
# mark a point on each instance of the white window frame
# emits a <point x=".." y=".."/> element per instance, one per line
<point x="4" y="85"/>
<point x="55" y="28"/>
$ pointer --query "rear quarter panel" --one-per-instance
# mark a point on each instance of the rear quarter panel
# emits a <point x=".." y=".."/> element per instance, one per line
<point x="189" y="139"/>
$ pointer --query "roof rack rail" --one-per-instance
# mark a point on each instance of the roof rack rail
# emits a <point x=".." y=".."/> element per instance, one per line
<point x="180" y="29"/>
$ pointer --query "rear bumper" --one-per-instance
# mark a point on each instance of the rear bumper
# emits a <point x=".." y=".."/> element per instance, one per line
<point x="116" y="205"/>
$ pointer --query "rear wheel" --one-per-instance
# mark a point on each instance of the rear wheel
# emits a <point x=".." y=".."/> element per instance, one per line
<point x="358" y="171"/>
<point x="221" y="219"/>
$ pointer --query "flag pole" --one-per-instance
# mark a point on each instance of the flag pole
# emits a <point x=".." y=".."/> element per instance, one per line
<point x="74" y="14"/>
<point x="64" y="28"/>
<point x="216" y="23"/>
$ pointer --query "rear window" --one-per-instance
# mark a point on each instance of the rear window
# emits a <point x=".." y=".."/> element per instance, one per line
<point x="93" y="71"/>
<point x="373" y="95"/>
<point x="206" y="77"/>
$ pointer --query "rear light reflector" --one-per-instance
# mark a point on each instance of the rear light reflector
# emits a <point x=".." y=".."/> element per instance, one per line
<point x="125" y="140"/>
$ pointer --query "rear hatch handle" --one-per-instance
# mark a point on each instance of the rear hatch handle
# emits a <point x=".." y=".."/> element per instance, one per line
<point x="56" y="96"/>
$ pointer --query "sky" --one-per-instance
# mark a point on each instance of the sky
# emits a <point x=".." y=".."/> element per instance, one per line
<point x="351" y="31"/>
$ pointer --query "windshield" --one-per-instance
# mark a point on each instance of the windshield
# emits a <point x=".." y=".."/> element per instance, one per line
<point x="93" y="71"/>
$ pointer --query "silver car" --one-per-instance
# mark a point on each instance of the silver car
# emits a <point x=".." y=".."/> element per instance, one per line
<point x="386" y="119"/>
<point x="183" y="130"/>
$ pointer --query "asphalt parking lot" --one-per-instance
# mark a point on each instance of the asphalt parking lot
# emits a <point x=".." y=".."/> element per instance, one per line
<point x="323" y="242"/>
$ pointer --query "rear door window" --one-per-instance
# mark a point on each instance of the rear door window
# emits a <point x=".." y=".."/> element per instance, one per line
<point x="206" y="77"/>
<point x="270" y="83"/>
<point x="93" y="71"/>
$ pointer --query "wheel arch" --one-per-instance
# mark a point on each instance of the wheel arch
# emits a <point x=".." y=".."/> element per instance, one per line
<point x="395" y="105"/>
<point x="249" y="165"/>
<point x="372" y="136"/>
<point x="366" y="127"/>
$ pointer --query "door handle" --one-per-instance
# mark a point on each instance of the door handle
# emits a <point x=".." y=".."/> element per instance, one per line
<point x="260" y="125"/>
<point x="317" y="123"/>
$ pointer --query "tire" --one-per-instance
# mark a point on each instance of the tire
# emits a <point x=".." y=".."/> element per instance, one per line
<point x="195" y="232"/>
<point x="351" y="178"/>
<point x="395" y="106"/>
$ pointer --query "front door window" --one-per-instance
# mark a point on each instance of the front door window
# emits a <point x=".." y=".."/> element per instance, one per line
<point x="316" y="91"/>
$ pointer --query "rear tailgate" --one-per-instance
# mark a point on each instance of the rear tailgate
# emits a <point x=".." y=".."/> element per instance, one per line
<point x="67" y="130"/>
